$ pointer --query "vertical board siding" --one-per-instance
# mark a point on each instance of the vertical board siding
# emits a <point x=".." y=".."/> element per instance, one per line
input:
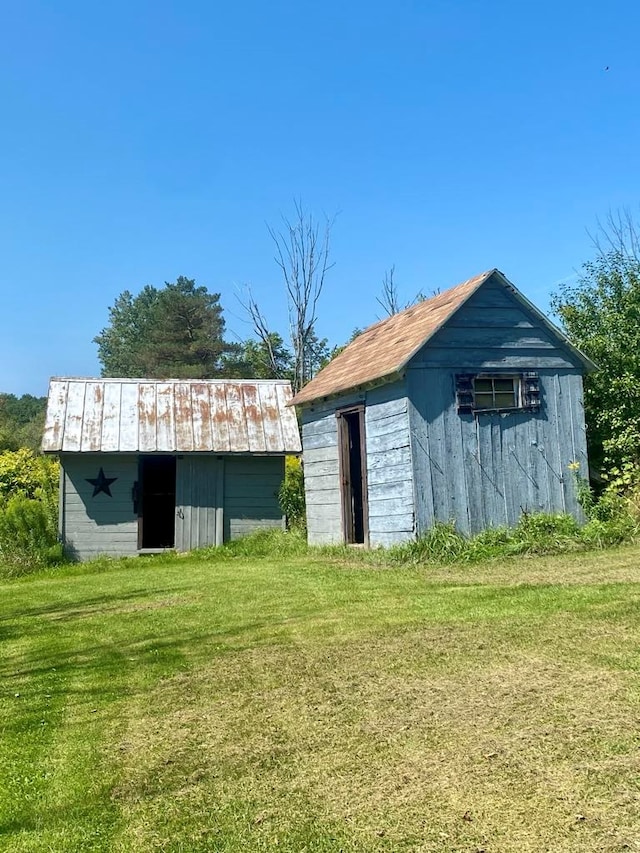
<point x="197" y="500"/>
<point x="91" y="526"/>
<point x="251" y="486"/>
<point x="485" y="470"/>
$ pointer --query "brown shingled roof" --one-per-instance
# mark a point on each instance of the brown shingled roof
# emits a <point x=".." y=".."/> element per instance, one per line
<point x="384" y="348"/>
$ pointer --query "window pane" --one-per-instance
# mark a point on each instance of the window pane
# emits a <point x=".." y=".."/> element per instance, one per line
<point x="483" y="386"/>
<point x="504" y="384"/>
<point x="484" y="401"/>
<point x="505" y="401"/>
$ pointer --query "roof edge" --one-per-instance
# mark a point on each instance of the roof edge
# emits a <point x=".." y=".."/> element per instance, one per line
<point x="555" y="330"/>
<point x="482" y="279"/>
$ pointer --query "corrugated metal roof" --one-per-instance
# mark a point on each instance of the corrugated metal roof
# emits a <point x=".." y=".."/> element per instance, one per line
<point x="169" y="416"/>
<point x="384" y="348"/>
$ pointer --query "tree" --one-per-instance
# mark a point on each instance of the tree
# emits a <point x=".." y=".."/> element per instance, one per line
<point x="21" y="421"/>
<point x="302" y="254"/>
<point x="390" y="300"/>
<point x="176" y="331"/>
<point x="601" y="315"/>
<point x="260" y="359"/>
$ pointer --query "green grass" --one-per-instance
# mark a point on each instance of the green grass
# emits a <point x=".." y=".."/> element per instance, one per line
<point x="318" y="702"/>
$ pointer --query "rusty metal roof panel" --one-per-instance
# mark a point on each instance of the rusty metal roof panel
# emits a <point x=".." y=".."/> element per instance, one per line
<point x="384" y="348"/>
<point x="170" y="416"/>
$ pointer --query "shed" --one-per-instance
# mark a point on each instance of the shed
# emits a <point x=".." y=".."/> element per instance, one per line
<point x="148" y="465"/>
<point x="467" y="407"/>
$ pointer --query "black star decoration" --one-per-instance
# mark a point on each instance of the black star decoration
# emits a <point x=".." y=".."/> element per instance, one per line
<point x="101" y="484"/>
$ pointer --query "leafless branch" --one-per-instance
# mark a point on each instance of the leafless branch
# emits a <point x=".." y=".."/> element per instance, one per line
<point x="389" y="299"/>
<point x="260" y="327"/>
<point x="302" y="251"/>
<point x="618" y="234"/>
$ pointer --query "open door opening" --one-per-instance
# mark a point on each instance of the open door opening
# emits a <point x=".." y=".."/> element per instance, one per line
<point x="354" y="476"/>
<point x="157" y="502"/>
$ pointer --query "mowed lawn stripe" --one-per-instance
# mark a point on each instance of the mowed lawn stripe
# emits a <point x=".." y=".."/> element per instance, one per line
<point x="309" y="703"/>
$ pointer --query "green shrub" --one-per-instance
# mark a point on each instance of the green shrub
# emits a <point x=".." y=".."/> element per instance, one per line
<point x="24" y="473"/>
<point x="291" y="494"/>
<point x="29" y="534"/>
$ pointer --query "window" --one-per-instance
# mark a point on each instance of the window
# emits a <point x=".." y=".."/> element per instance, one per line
<point x="496" y="392"/>
<point x="491" y="392"/>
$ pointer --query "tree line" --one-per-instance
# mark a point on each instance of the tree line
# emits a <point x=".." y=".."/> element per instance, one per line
<point x="178" y="331"/>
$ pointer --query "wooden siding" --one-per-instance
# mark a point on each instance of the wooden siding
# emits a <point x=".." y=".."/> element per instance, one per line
<point x="389" y="472"/>
<point x="485" y="470"/>
<point x="198" y="501"/>
<point x="494" y="330"/>
<point x="101" y="525"/>
<point x="322" y="470"/>
<point x="251" y="487"/>
<point x="390" y="486"/>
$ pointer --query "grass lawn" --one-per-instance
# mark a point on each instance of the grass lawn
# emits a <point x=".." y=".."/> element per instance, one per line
<point x="312" y="704"/>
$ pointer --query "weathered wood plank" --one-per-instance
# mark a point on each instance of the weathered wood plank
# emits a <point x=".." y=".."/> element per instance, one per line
<point x="493" y="338"/>
<point x="482" y="317"/>
<point x="386" y="409"/>
<point x="385" y="539"/>
<point x="391" y="524"/>
<point x="321" y="467"/>
<point x="317" y="482"/>
<point x="483" y="359"/>
<point x="388" y="458"/>
<point x="381" y="444"/>
<point x="399" y="490"/>
<point x="325" y="439"/>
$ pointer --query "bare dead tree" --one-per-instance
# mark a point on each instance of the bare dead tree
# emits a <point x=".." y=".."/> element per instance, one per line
<point x="619" y="234"/>
<point x="302" y="253"/>
<point x="261" y="329"/>
<point x="389" y="299"/>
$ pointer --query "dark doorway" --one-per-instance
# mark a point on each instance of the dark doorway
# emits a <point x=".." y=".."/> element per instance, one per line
<point x="157" y="505"/>
<point x="354" y="476"/>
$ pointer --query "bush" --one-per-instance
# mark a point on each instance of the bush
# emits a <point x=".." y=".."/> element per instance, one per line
<point x="28" y="512"/>
<point x="29" y="534"/>
<point x="24" y="473"/>
<point x="291" y="494"/>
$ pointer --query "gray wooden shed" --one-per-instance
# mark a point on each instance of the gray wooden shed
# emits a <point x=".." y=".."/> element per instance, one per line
<point x="466" y="407"/>
<point x="148" y="465"/>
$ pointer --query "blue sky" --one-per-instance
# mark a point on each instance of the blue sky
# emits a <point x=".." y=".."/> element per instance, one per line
<point x="145" y="140"/>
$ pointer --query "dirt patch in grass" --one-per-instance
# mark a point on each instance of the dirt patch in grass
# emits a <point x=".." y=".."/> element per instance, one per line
<point x="430" y="739"/>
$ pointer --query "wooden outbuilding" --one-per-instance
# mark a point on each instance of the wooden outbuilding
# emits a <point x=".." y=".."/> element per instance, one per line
<point x="148" y="465"/>
<point x="467" y="407"/>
